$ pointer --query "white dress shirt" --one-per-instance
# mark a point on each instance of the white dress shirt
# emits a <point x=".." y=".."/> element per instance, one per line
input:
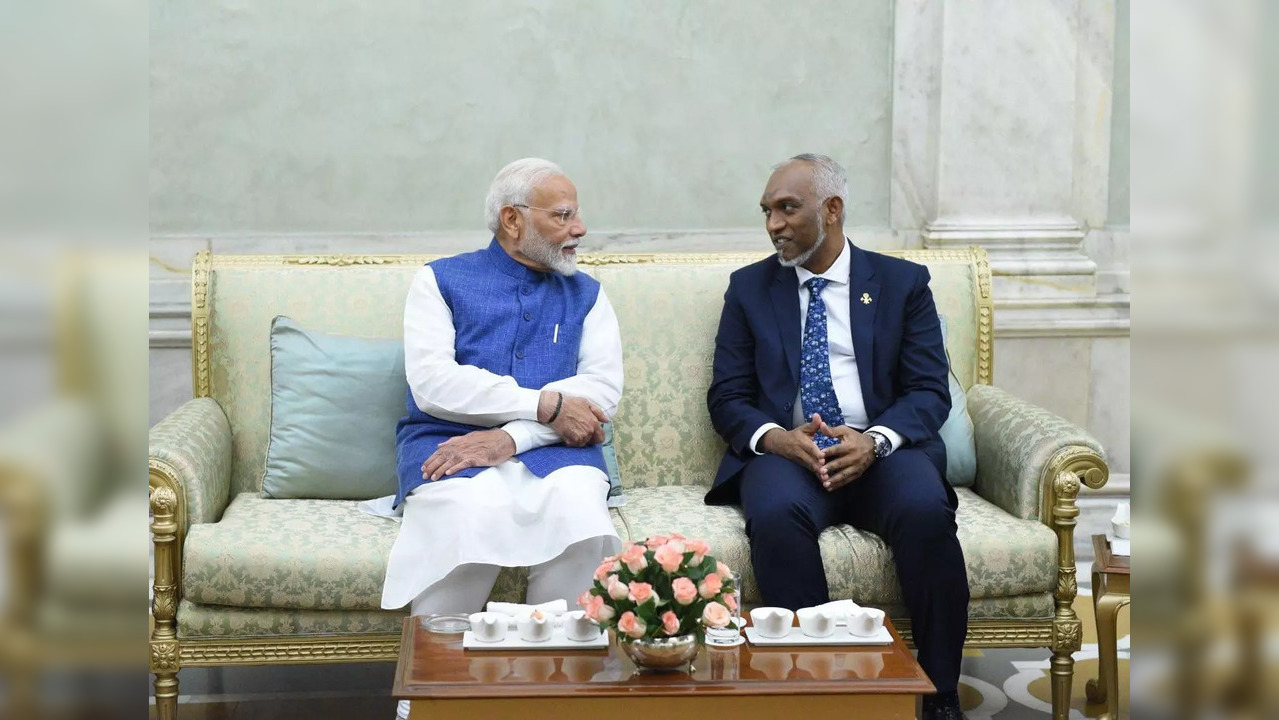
<point x="467" y="394"/>
<point x="843" y="358"/>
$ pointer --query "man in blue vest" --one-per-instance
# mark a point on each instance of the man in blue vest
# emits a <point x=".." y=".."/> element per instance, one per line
<point x="829" y="386"/>
<point x="514" y="361"/>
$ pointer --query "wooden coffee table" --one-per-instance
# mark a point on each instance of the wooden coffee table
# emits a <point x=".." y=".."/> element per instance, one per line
<point x="444" y="681"/>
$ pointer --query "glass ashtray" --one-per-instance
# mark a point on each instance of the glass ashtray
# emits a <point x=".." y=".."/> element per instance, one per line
<point x="447" y="623"/>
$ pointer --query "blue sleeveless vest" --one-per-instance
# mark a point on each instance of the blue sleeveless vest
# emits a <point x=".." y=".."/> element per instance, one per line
<point x="504" y="319"/>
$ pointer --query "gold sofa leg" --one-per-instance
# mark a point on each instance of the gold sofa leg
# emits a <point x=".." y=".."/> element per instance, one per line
<point x="166" y="695"/>
<point x="1062" y="672"/>
<point x="164" y="635"/>
<point x="1067" y="629"/>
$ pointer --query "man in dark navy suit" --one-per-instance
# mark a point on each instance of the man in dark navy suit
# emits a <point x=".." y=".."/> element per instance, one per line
<point x="830" y="385"/>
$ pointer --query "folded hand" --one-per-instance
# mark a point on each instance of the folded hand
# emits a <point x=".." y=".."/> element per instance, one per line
<point x="480" y="448"/>
<point x="796" y="445"/>
<point x="848" y="460"/>
<point x="579" y="423"/>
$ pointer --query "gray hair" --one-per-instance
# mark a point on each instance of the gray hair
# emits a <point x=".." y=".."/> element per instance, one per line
<point x="829" y="178"/>
<point x="513" y="185"/>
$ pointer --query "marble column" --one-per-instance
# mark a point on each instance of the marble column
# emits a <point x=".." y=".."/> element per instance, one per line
<point x="1002" y="138"/>
<point x="1001" y="134"/>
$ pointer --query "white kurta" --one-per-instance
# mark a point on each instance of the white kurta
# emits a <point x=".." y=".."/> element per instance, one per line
<point x="505" y="515"/>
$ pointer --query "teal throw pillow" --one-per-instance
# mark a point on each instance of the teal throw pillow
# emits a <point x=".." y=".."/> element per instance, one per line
<point x="957" y="431"/>
<point x="616" y="497"/>
<point x="335" y="401"/>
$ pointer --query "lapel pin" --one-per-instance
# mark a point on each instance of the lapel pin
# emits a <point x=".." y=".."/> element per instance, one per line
<point x="865" y="298"/>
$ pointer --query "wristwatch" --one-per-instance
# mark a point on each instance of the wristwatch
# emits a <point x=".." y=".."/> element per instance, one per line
<point x="882" y="444"/>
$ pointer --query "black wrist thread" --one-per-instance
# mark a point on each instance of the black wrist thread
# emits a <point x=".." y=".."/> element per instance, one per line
<point x="559" y="403"/>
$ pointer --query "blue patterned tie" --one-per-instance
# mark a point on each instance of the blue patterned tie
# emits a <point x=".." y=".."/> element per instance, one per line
<point x="816" y="390"/>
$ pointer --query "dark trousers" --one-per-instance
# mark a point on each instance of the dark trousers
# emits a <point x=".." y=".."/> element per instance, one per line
<point x="902" y="500"/>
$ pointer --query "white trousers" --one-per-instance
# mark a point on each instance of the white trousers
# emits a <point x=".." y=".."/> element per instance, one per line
<point x="457" y="533"/>
<point x="467" y="587"/>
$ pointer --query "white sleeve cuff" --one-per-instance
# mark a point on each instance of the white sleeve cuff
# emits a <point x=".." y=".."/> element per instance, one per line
<point x="894" y="439"/>
<point x="760" y="433"/>
<point x="528" y="401"/>
<point x="520" y="434"/>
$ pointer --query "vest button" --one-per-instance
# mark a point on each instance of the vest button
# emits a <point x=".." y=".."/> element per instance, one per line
<point x="526" y="290"/>
<point x="528" y="316"/>
<point x="788" y="406"/>
<point x="519" y="354"/>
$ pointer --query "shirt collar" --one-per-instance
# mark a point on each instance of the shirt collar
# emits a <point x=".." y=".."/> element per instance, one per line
<point x="836" y="273"/>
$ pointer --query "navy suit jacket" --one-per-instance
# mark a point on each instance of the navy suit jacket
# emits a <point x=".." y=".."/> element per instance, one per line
<point x="901" y="361"/>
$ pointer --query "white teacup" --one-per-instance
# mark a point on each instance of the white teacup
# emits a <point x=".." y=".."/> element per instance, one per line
<point x="772" y="622"/>
<point x="579" y="627"/>
<point x="816" y="622"/>
<point x="1121" y="530"/>
<point x="865" y="622"/>
<point x="535" y="627"/>
<point x="488" y="627"/>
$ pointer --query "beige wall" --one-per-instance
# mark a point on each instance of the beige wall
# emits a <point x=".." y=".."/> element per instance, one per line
<point x="323" y="116"/>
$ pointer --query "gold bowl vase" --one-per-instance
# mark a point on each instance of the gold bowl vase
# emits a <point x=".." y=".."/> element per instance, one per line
<point x="670" y="653"/>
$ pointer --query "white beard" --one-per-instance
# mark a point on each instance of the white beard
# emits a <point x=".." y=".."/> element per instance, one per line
<point x="538" y="249"/>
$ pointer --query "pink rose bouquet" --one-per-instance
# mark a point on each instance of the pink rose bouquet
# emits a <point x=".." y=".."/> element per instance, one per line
<point x="659" y="587"/>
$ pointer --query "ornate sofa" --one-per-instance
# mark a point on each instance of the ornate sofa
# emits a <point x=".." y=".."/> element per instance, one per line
<point x="242" y="579"/>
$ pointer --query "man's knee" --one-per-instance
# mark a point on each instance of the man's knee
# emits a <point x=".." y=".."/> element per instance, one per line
<point x="780" y="500"/>
<point x="920" y="519"/>
<point x="778" y="521"/>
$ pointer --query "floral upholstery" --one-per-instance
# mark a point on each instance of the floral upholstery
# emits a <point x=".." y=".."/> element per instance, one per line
<point x="194" y="442"/>
<point x="301" y="555"/>
<point x="1034" y="606"/>
<point x="1006" y="557"/>
<point x="1015" y="441"/>
<point x="195" y="620"/>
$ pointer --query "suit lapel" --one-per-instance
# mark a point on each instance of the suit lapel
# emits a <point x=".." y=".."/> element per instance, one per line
<point x="862" y="287"/>
<point x="784" y="292"/>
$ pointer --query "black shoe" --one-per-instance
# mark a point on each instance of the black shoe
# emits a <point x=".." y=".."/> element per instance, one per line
<point x="943" y="707"/>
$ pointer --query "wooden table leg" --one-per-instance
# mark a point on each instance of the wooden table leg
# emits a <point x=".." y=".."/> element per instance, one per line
<point x="1108" y="606"/>
<point x="1095" y="689"/>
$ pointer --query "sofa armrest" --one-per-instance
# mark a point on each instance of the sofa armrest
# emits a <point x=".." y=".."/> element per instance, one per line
<point x="1032" y="463"/>
<point x="190" y="453"/>
<point x="189" y="468"/>
<point x="1021" y="448"/>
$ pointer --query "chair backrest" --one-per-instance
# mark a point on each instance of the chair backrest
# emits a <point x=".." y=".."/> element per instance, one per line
<point x="667" y="305"/>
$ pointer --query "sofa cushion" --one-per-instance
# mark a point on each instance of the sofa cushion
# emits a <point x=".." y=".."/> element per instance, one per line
<point x="1005" y="556"/>
<point x="301" y="554"/>
<point x="307" y="554"/>
<point x="335" y="401"/>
